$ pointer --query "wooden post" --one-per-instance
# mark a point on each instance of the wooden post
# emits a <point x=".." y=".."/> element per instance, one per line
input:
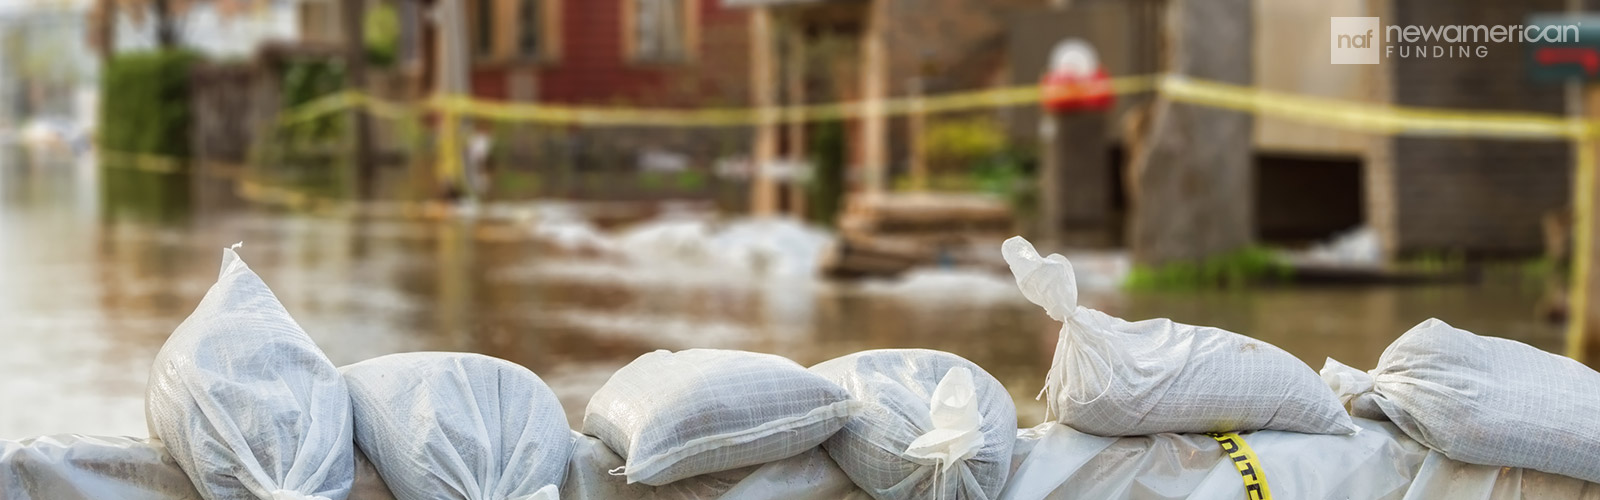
<point x="795" y="80"/>
<point x="105" y="29"/>
<point x="355" y="63"/>
<point x="1049" y="223"/>
<point x="915" y="125"/>
<point x="874" y="89"/>
<point x="451" y="73"/>
<point x="1075" y="181"/>
<point x="764" y="96"/>
<point x="1583" y="320"/>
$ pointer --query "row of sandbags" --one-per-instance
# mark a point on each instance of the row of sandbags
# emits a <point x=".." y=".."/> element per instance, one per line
<point x="1479" y="400"/>
<point x="249" y="408"/>
<point x="1050" y="461"/>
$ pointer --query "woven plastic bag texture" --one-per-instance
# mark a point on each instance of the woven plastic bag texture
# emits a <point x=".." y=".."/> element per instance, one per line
<point x="1482" y="400"/>
<point x="810" y="475"/>
<point x="246" y="403"/>
<point x="897" y="389"/>
<point x="677" y="415"/>
<point x="1115" y="378"/>
<point x="444" y="425"/>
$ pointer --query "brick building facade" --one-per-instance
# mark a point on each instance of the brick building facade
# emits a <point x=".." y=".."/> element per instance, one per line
<point x="1484" y="197"/>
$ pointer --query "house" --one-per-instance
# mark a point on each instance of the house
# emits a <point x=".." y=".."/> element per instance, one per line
<point x="1306" y="182"/>
<point x="1297" y="183"/>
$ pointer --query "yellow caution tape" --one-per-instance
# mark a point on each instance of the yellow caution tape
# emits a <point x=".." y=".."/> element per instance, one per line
<point x="1244" y="459"/>
<point x="1373" y="118"/>
<point x="1352" y="115"/>
<point x="698" y="117"/>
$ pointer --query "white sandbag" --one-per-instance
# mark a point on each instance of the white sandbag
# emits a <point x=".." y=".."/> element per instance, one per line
<point x="75" y="467"/>
<point x="1061" y="463"/>
<point x="246" y="403"/>
<point x="932" y="425"/>
<point x="457" y="425"/>
<point x="811" y="475"/>
<point x="71" y="467"/>
<point x="678" y="415"/>
<point x="1115" y="378"/>
<point x="1482" y="400"/>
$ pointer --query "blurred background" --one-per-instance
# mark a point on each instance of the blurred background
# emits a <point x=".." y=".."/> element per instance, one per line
<point x="498" y="176"/>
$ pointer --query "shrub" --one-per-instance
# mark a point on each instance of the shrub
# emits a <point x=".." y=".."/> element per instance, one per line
<point x="1237" y="268"/>
<point x="145" y="103"/>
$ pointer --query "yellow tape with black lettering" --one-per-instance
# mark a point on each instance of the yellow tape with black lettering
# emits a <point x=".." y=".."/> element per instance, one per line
<point x="1244" y="459"/>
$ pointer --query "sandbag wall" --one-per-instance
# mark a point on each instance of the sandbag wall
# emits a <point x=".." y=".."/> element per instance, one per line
<point x="242" y="404"/>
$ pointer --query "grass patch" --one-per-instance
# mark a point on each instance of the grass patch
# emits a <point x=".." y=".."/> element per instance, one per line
<point x="1251" y="265"/>
<point x="1434" y="262"/>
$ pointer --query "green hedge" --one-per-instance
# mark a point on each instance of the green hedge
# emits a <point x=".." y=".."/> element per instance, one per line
<point x="145" y="103"/>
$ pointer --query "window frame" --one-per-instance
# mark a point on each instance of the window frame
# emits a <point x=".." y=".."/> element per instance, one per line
<point x="691" y="35"/>
<point x="506" y="32"/>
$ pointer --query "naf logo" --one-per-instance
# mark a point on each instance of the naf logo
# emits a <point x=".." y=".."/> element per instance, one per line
<point x="1354" y="40"/>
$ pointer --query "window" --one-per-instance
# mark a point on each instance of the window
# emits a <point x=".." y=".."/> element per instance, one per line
<point x="659" y="31"/>
<point x="483" y="24"/>
<point x="530" y="38"/>
<point x="516" y="30"/>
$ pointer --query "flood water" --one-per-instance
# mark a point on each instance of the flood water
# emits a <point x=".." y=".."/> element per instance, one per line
<point x="92" y="281"/>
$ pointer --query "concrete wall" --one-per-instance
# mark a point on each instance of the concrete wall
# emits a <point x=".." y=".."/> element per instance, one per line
<point x="1292" y="56"/>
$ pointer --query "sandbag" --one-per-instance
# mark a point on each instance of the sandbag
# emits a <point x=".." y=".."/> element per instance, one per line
<point x="1115" y="378"/>
<point x="1482" y="400"/>
<point x="676" y="415"/>
<point x="78" y="467"/>
<point x="443" y="425"/>
<point x="810" y="475"/>
<point x="247" y="404"/>
<point x="75" y="467"/>
<point x="932" y="425"/>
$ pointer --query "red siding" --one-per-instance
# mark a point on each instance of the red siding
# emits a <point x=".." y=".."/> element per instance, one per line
<point x="591" y="69"/>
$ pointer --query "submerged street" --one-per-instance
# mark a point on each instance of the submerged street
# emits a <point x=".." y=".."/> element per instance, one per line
<point x="92" y="293"/>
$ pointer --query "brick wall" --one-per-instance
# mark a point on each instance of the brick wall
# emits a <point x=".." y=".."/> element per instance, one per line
<point x="592" y="68"/>
<point x="1482" y="197"/>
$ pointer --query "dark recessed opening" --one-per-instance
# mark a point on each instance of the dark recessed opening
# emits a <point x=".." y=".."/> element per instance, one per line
<point x="1305" y="198"/>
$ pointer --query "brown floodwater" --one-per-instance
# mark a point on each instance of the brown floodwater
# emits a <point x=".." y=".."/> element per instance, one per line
<point x="95" y="273"/>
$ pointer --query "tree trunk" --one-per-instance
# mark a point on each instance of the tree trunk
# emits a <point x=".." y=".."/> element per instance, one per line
<point x="1192" y="177"/>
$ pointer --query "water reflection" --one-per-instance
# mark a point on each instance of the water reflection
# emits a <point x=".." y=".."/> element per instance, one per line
<point x="94" y="276"/>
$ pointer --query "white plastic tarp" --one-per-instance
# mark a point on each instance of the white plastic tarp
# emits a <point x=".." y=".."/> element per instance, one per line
<point x="1062" y="463"/>
<point x="1442" y="477"/>
<point x="1050" y="461"/>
